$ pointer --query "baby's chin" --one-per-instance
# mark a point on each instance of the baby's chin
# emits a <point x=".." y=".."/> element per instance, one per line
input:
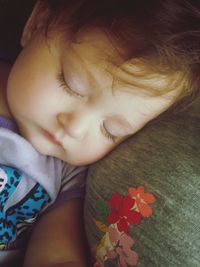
<point x="58" y="153"/>
<point x="47" y="149"/>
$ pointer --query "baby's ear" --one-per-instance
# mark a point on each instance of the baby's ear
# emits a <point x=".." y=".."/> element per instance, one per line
<point x="35" y="22"/>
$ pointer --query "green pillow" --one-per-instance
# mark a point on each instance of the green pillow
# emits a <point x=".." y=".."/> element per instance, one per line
<point x="142" y="205"/>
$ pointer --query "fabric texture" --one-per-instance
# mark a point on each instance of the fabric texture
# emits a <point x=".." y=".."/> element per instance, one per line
<point x="142" y="201"/>
<point x="29" y="184"/>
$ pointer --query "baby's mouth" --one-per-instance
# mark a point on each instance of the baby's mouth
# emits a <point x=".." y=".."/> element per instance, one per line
<point x="51" y="137"/>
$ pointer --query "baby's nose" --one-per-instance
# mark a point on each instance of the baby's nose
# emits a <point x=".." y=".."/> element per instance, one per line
<point x="74" y="125"/>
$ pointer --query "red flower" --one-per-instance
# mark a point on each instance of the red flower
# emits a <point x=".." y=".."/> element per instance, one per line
<point x="121" y="212"/>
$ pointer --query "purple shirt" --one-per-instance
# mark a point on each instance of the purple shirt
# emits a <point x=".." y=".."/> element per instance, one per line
<point x="29" y="184"/>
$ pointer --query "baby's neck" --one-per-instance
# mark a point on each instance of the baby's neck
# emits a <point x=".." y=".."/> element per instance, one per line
<point x="4" y="72"/>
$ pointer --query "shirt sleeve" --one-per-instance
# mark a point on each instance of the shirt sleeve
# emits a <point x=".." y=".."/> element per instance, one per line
<point x="72" y="184"/>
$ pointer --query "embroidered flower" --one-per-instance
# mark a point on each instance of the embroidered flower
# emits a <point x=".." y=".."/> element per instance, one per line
<point x="115" y="244"/>
<point x="122" y="213"/>
<point x="122" y="243"/>
<point x="104" y="246"/>
<point x="142" y="200"/>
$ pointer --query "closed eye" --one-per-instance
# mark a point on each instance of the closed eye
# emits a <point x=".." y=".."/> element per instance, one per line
<point x="108" y="135"/>
<point x="62" y="83"/>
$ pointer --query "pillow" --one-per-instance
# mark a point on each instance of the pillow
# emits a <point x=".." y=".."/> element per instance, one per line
<point x="142" y="201"/>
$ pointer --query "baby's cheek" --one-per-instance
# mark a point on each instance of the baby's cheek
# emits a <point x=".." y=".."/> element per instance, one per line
<point x="96" y="150"/>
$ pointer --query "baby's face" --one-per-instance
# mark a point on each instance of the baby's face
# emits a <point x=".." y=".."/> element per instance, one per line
<point x="64" y="99"/>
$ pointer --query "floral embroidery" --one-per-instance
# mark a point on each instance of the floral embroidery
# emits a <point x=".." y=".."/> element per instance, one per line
<point x="122" y="244"/>
<point x="122" y="212"/>
<point x="142" y="200"/>
<point x="116" y="245"/>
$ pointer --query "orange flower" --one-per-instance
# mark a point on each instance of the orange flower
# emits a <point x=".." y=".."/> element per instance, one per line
<point x="142" y="200"/>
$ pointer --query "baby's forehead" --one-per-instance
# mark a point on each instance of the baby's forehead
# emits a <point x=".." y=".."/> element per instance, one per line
<point x="98" y="47"/>
<point x="136" y="75"/>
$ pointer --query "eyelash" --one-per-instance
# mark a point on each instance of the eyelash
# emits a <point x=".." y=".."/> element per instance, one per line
<point x="64" y="85"/>
<point x="107" y="134"/>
